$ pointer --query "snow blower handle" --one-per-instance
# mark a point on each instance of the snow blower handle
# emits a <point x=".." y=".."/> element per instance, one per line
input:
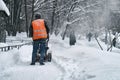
<point x="47" y="38"/>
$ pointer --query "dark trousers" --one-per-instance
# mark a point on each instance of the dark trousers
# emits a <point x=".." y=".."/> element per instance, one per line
<point x="38" y="44"/>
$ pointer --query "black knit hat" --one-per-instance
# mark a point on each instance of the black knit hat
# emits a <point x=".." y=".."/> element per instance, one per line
<point x="37" y="16"/>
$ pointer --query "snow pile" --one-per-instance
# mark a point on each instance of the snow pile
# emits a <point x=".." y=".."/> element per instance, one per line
<point x="58" y="40"/>
<point x="3" y="44"/>
<point x="26" y="53"/>
<point x="20" y="38"/>
<point x="4" y="7"/>
<point x="8" y="59"/>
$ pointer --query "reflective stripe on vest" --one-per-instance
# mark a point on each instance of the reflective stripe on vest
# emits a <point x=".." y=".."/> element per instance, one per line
<point x="39" y="30"/>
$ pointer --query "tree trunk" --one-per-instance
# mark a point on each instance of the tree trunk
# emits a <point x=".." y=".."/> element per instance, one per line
<point x="53" y="16"/>
<point x="25" y="2"/>
<point x="63" y="37"/>
<point x="3" y="36"/>
<point x="32" y="10"/>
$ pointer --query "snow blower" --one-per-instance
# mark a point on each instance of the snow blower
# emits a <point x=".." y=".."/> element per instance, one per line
<point x="47" y="56"/>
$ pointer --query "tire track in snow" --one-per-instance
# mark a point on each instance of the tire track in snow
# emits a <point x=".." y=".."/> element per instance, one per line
<point x="74" y="69"/>
<point x="61" y="69"/>
<point x="71" y="69"/>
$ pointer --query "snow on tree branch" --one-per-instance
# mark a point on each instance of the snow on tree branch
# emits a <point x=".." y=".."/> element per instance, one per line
<point x="3" y="7"/>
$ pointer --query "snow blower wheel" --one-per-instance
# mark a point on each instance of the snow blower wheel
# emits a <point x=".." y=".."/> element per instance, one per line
<point x="49" y="57"/>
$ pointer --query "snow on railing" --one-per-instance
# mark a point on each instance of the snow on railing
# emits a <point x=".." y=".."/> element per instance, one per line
<point x="17" y="41"/>
<point x="7" y="48"/>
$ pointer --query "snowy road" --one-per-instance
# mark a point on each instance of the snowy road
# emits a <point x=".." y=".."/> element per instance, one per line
<point x="84" y="61"/>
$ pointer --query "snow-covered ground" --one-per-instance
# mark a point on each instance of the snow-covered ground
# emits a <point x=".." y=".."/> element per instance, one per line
<point x="84" y="61"/>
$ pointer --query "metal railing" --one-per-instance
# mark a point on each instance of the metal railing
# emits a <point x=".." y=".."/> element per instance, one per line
<point x="7" y="48"/>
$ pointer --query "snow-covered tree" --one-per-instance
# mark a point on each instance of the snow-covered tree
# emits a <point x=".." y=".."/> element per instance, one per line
<point x="4" y="10"/>
<point x="64" y="16"/>
<point x="3" y="7"/>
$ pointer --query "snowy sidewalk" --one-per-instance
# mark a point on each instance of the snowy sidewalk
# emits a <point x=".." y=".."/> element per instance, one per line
<point x="15" y="65"/>
<point x="28" y="72"/>
<point x="84" y="61"/>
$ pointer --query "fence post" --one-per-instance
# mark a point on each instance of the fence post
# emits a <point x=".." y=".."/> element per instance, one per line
<point x="8" y="47"/>
<point x="2" y="49"/>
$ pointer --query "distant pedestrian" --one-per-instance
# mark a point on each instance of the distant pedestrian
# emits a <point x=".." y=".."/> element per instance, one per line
<point x="114" y="41"/>
<point x="72" y="38"/>
<point x="89" y="36"/>
<point x="39" y="32"/>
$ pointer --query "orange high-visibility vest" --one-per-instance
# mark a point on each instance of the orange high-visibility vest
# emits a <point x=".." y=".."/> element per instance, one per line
<point x="39" y="30"/>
